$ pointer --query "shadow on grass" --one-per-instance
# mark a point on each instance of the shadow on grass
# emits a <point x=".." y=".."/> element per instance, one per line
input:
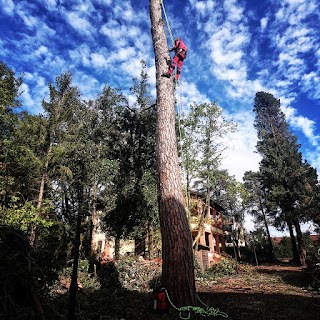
<point x="132" y="305"/>
<point x="241" y="306"/>
<point x="296" y="277"/>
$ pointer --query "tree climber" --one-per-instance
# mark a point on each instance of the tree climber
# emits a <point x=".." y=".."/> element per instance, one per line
<point x="180" y="50"/>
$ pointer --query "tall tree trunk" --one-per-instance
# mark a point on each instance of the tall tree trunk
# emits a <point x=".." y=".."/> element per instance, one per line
<point x="40" y="195"/>
<point x="295" y="252"/>
<point x="301" y="243"/>
<point x="93" y="227"/>
<point x="177" y="267"/>
<point x="43" y="180"/>
<point x="271" y="249"/>
<point x="117" y="247"/>
<point x="74" y="277"/>
<point x="150" y="241"/>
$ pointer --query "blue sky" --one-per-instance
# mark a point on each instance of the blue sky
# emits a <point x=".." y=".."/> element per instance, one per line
<point x="236" y="48"/>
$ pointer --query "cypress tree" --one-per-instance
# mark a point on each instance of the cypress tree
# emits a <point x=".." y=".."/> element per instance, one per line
<point x="280" y="166"/>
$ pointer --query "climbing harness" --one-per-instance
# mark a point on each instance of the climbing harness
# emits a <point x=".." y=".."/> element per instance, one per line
<point x="167" y="21"/>
<point x="185" y="312"/>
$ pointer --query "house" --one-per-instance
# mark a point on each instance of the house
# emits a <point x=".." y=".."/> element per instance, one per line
<point x="103" y="245"/>
<point x="234" y="233"/>
<point x="207" y="229"/>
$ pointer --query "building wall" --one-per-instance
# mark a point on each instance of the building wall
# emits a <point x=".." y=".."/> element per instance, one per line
<point x="211" y="243"/>
<point x="104" y="245"/>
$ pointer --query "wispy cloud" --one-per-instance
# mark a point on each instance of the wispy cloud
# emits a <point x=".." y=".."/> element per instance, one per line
<point x="235" y="50"/>
<point x="241" y="154"/>
<point x="7" y="6"/>
<point x="79" y="23"/>
<point x="304" y="124"/>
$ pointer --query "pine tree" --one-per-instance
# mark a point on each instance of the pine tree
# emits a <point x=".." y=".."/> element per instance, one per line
<point x="178" y="267"/>
<point x="256" y="201"/>
<point x="135" y="185"/>
<point x="281" y="164"/>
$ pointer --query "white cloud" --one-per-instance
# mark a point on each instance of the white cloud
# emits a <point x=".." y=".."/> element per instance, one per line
<point x="50" y="4"/>
<point x="7" y="6"/>
<point x="81" y="55"/>
<point x="314" y="158"/>
<point x="240" y="155"/>
<point x="304" y="124"/>
<point x="98" y="60"/>
<point x="43" y="50"/>
<point x="296" y="43"/>
<point x="25" y="95"/>
<point x="32" y="98"/>
<point x="235" y="12"/>
<point x="79" y="23"/>
<point x="187" y="93"/>
<point x="122" y="55"/>
<point x="30" y="21"/>
<point x="263" y="23"/>
<point x="89" y="86"/>
<point x="310" y="82"/>
<point x="203" y="7"/>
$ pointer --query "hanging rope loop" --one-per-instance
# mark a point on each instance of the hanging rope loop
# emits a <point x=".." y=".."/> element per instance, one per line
<point x="167" y="21"/>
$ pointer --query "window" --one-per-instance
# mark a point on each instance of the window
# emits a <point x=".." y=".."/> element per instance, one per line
<point x="207" y="235"/>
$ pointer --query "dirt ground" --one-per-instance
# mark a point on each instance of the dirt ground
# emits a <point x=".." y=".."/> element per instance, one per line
<point x="265" y="293"/>
<point x="271" y="292"/>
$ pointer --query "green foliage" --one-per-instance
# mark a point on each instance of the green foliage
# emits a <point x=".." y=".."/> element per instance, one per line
<point x="224" y="267"/>
<point x="217" y="270"/>
<point x="25" y="271"/>
<point x="9" y="88"/>
<point x="109" y="276"/>
<point x="283" y="249"/>
<point x="291" y="184"/>
<point x="85" y="279"/>
<point x="258" y="247"/>
<point x="22" y="217"/>
<point x="201" y="136"/>
<point x="135" y="182"/>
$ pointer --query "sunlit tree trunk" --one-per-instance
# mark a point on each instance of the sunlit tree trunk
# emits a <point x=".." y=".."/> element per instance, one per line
<point x="150" y="241"/>
<point x="177" y="268"/>
<point x="41" y="193"/>
<point x="301" y="244"/>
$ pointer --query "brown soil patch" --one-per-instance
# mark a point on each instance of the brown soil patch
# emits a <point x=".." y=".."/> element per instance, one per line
<point x="273" y="292"/>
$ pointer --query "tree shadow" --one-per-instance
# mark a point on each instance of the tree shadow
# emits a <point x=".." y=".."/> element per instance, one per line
<point x="134" y="305"/>
<point x="240" y="306"/>
<point x="295" y="276"/>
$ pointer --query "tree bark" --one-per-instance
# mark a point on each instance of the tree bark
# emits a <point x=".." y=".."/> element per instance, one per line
<point x="177" y="267"/>
<point x="74" y="277"/>
<point x="150" y="241"/>
<point x="295" y="252"/>
<point x="93" y="227"/>
<point x="117" y="248"/>
<point x="271" y="249"/>
<point x="301" y="244"/>
<point x="40" y="195"/>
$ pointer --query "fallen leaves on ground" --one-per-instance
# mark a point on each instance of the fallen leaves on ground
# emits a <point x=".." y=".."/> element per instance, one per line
<point x="268" y="292"/>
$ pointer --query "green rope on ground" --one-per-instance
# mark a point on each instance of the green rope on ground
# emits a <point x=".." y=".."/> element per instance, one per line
<point x="185" y="312"/>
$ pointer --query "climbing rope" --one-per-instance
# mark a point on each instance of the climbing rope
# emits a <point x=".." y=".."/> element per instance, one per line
<point x="167" y="21"/>
<point x="185" y="312"/>
<point x="177" y="84"/>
